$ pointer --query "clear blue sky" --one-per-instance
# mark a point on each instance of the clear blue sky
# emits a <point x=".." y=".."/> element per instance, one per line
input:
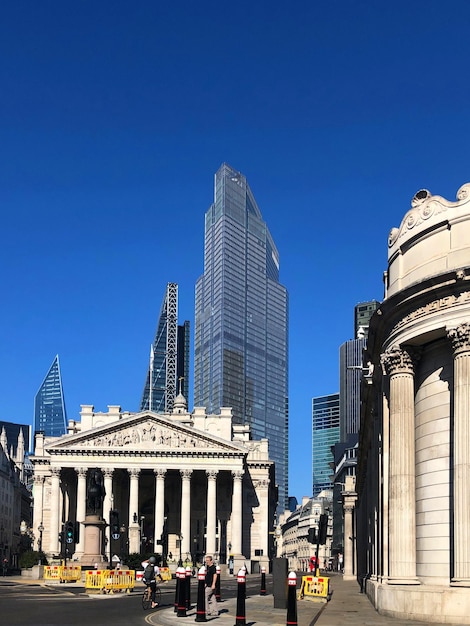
<point x="114" y="117"/>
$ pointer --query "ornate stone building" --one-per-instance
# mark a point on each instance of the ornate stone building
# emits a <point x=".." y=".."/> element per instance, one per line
<point x="182" y="483"/>
<point x="413" y="475"/>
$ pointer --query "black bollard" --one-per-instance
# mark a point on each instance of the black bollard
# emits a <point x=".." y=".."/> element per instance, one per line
<point x="241" y="595"/>
<point x="291" y="619"/>
<point x="262" y="591"/>
<point x="217" y="584"/>
<point x="201" y="596"/>
<point x="188" y="573"/>
<point x="181" y="610"/>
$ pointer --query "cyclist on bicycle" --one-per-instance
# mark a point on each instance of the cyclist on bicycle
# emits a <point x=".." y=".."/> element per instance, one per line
<point x="151" y="572"/>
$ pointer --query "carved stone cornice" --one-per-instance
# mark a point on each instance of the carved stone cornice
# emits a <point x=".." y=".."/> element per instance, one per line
<point x="436" y="306"/>
<point x="423" y="207"/>
<point x="400" y="361"/>
<point x="460" y="338"/>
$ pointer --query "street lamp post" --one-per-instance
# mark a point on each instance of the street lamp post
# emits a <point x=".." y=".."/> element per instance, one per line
<point x="180" y="562"/>
<point x="142" y="538"/>
<point x="41" y="530"/>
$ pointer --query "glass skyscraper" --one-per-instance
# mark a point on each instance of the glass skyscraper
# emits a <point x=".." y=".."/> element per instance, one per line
<point x="241" y="317"/>
<point x="50" y="416"/>
<point x="325" y="434"/>
<point x="169" y="358"/>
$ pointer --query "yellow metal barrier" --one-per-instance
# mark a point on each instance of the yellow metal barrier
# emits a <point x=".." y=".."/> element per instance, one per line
<point x="52" y="572"/>
<point x="315" y="588"/>
<point x="70" y="573"/>
<point x="94" y="579"/>
<point x="118" y="580"/>
<point x="165" y="573"/>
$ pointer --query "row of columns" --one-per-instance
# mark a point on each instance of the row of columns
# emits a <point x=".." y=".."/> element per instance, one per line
<point x="399" y="365"/>
<point x="55" y="516"/>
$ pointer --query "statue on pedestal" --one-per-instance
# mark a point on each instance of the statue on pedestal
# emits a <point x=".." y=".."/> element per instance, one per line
<point x="95" y="492"/>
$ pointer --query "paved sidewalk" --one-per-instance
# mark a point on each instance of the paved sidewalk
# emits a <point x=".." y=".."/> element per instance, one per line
<point x="349" y="607"/>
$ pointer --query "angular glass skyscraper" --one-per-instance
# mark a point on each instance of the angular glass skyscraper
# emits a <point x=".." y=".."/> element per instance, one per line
<point x="50" y="416"/>
<point x="241" y="318"/>
<point x="169" y="358"/>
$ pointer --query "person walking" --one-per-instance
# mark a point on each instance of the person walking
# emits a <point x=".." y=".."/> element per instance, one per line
<point x="151" y="572"/>
<point x="211" y="580"/>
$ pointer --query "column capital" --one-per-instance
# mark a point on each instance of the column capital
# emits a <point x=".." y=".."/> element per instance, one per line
<point x="134" y="472"/>
<point x="237" y="474"/>
<point x="38" y="479"/>
<point x="55" y="471"/>
<point x="212" y="474"/>
<point x="81" y="471"/>
<point x="160" y="472"/>
<point x="400" y="360"/>
<point x="262" y="483"/>
<point x="186" y="473"/>
<point x="460" y="338"/>
<point x="107" y="472"/>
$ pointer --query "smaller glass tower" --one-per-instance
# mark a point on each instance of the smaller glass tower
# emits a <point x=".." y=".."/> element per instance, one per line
<point x="50" y="416"/>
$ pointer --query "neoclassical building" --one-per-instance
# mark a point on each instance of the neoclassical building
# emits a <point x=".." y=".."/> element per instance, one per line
<point x="182" y="483"/>
<point x="413" y="478"/>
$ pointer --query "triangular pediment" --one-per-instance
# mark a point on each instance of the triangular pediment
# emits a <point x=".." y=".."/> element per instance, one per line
<point x="142" y="432"/>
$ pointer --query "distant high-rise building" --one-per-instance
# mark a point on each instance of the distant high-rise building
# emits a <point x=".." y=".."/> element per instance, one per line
<point x="362" y="314"/>
<point x="241" y="320"/>
<point x="169" y="358"/>
<point x="350" y="370"/>
<point x="50" y="415"/>
<point x="325" y="434"/>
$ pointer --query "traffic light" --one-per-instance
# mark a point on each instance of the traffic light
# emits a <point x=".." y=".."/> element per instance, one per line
<point x="69" y="535"/>
<point x="312" y="535"/>
<point x="76" y="535"/>
<point x="114" y="523"/>
<point x="322" y="528"/>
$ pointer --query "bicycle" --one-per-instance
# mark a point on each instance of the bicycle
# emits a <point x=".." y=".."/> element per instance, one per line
<point x="147" y="597"/>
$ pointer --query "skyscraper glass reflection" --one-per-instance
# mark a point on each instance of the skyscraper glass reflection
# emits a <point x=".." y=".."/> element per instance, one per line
<point x="169" y="358"/>
<point x="325" y="433"/>
<point x="241" y="317"/>
<point x="49" y="405"/>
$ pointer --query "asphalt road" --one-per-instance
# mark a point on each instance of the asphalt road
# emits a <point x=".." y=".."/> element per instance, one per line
<point x="38" y="605"/>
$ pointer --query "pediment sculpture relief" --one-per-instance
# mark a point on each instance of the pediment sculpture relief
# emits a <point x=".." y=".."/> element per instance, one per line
<point x="146" y="435"/>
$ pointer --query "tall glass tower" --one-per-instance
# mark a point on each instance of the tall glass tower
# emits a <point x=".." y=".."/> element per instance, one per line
<point x="241" y="318"/>
<point x="325" y="433"/>
<point x="50" y="416"/>
<point x="169" y="358"/>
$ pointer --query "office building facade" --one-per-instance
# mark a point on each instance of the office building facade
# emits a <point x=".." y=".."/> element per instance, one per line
<point x="241" y="317"/>
<point x="50" y="416"/>
<point x="325" y="434"/>
<point x="168" y="371"/>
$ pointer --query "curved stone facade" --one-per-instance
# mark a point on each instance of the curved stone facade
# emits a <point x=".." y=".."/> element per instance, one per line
<point x="414" y="453"/>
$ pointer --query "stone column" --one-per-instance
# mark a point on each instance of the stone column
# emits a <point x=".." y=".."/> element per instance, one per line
<point x="107" y="502"/>
<point x="236" y="519"/>
<point x="134" y="536"/>
<point x="54" y="511"/>
<point x="399" y="366"/>
<point x="159" y="507"/>
<point x="460" y="338"/>
<point x="38" y="495"/>
<point x="186" y="512"/>
<point x="349" y="538"/>
<point x="211" y="511"/>
<point x="81" y="507"/>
